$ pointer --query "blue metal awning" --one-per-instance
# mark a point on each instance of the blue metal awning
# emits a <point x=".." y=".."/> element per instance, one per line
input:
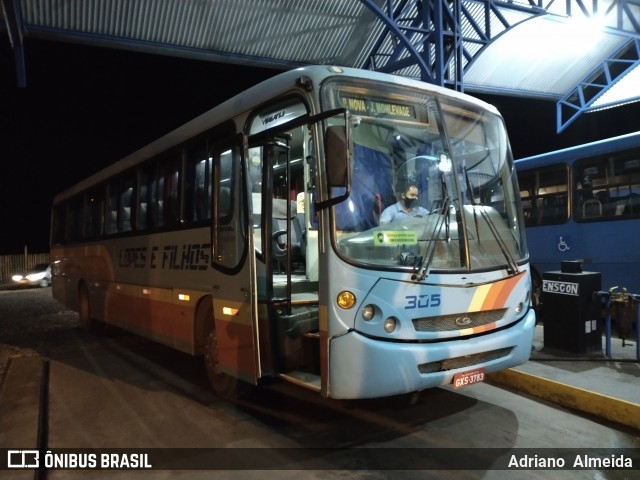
<point x="521" y="48"/>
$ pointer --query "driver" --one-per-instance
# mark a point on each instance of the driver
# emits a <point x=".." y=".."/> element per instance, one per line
<point x="405" y="207"/>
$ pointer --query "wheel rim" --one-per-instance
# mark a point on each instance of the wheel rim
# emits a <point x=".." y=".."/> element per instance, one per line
<point x="225" y="386"/>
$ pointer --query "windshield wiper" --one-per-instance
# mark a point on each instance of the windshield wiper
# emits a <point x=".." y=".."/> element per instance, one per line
<point x="513" y="266"/>
<point x="425" y="265"/>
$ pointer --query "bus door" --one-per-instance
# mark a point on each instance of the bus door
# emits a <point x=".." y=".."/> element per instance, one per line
<point x="287" y="290"/>
<point x="231" y="353"/>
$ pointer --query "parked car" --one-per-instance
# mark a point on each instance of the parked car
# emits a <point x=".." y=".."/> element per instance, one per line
<point x="40" y="276"/>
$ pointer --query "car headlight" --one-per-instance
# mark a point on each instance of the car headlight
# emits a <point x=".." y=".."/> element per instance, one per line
<point x="34" y="277"/>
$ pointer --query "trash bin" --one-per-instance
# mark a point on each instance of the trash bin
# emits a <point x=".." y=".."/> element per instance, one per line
<point x="571" y="314"/>
<point x="624" y="312"/>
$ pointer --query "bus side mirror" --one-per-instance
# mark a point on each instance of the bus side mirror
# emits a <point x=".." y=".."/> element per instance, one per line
<point x="337" y="154"/>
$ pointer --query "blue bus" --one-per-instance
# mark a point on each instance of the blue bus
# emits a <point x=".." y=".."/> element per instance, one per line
<point x="583" y="203"/>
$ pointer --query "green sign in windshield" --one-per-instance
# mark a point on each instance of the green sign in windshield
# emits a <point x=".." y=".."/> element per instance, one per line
<point x="392" y="237"/>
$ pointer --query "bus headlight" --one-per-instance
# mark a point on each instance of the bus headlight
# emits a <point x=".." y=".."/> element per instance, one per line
<point x="368" y="312"/>
<point x="390" y="324"/>
<point x="346" y="299"/>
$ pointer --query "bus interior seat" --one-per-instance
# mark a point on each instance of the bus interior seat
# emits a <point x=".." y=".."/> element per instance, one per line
<point x="553" y="209"/>
<point x="125" y="219"/>
<point x="608" y="206"/>
<point x="225" y="201"/>
<point x="112" y="221"/>
<point x="591" y="208"/>
<point x="279" y="233"/>
<point x="300" y="232"/>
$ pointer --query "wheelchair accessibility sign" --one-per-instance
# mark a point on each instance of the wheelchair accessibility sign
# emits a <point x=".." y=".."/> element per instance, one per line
<point x="563" y="242"/>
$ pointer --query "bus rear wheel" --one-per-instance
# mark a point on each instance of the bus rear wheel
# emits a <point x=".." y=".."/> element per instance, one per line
<point x="88" y="323"/>
<point x="223" y="385"/>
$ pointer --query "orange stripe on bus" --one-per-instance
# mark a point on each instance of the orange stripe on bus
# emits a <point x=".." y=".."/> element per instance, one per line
<point x="492" y="295"/>
<point x="507" y="289"/>
<point x="499" y="293"/>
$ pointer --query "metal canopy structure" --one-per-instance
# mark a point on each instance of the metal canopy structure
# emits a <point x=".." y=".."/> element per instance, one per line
<point x="582" y="54"/>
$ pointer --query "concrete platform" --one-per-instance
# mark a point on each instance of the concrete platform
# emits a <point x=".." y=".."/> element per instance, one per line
<point x="591" y="383"/>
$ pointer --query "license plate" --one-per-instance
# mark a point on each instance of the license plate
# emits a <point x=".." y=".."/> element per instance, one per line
<point x="470" y="377"/>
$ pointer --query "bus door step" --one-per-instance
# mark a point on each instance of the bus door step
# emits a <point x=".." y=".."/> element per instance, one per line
<point x="300" y="321"/>
<point x="304" y="379"/>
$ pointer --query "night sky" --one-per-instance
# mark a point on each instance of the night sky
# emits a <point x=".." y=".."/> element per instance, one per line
<point x="85" y="107"/>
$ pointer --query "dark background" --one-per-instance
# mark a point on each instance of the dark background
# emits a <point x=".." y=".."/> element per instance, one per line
<point x="86" y="107"/>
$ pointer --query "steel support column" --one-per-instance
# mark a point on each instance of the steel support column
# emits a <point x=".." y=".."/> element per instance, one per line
<point x="14" y="27"/>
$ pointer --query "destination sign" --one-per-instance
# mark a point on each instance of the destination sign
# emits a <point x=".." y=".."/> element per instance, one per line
<point x="377" y="108"/>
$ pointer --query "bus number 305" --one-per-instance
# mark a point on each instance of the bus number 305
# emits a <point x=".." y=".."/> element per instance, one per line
<point x="422" y="301"/>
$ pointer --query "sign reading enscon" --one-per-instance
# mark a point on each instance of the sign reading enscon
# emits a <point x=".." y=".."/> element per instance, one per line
<point x="561" y="288"/>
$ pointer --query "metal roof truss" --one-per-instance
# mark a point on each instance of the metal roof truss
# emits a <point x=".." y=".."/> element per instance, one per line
<point x="436" y="40"/>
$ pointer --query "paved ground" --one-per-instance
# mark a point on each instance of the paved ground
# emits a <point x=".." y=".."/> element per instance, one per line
<point x="119" y="391"/>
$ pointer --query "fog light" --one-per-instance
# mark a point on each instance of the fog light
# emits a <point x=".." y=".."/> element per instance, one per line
<point x="390" y="324"/>
<point x="346" y="300"/>
<point x="368" y="312"/>
<point x="519" y="307"/>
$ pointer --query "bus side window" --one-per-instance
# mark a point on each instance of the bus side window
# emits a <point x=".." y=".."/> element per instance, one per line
<point x="544" y="195"/>
<point x="125" y="205"/>
<point x="172" y="192"/>
<point x="225" y="207"/>
<point x="75" y="215"/>
<point x="594" y="180"/>
<point x="58" y="223"/>
<point x="94" y="213"/>
<point x="147" y="200"/>
<point x="112" y="207"/>
<point x="197" y="195"/>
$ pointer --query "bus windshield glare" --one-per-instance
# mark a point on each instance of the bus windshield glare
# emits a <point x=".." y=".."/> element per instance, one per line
<point x="433" y="186"/>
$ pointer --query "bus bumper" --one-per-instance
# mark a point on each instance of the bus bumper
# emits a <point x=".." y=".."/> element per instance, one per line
<point x="362" y="367"/>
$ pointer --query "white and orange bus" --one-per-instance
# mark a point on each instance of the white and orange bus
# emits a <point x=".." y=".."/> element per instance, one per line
<point x="252" y="236"/>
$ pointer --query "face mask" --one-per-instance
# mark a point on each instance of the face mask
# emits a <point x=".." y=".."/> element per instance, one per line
<point x="408" y="202"/>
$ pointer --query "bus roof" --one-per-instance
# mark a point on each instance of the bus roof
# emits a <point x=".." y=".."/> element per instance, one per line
<point x="568" y="155"/>
<point x="246" y="101"/>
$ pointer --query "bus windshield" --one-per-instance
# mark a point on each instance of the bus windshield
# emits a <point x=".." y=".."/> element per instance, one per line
<point x="433" y="185"/>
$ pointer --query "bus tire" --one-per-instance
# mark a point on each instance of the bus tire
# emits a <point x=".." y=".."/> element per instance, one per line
<point x="536" y="294"/>
<point x="224" y="386"/>
<point x="87" y="322"/>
